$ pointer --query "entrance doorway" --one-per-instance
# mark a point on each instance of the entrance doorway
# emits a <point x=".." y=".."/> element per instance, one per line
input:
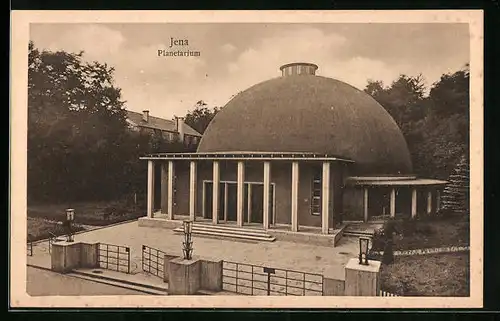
<point x="253" y="199"/>
<point x="379" y="202"/>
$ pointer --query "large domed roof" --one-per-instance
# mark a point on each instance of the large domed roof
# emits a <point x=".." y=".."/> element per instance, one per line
<point x="309" y="113"/>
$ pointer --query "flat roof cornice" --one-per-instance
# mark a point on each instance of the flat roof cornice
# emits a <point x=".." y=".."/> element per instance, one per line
<point x="285" y="156"/>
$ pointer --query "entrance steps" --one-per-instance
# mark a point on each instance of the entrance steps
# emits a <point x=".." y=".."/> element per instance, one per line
<point x="120" y="280"/>
<point x="361" y="229"/>
<point x="233" y="232"/>
<point x="348" y="233"/>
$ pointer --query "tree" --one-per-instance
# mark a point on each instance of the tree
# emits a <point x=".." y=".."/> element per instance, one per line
<point x="450" y="95"/>
<point x="76" y="125"/>
<point x="456" y="193"/>
<point x="445" y="130"/>
<point x="436" y="126"/>
<point x="402" y="99"/>
<point x="201" y="116"/>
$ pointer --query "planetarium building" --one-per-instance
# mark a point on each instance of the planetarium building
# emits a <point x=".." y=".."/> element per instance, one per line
<point x="300" y="153"/>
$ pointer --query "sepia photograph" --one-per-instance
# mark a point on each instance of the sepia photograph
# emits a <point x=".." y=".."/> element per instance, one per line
<point x="235" y="159"/>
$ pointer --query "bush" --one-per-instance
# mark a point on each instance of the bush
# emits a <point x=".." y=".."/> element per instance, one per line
<point x="39" y="229"/>
<point x="380" y="236"/>
<point x="445" y="213"/>
<point x="378" y="240"/>
<point x="424" y="229"/>
<point x="405" y="226"/>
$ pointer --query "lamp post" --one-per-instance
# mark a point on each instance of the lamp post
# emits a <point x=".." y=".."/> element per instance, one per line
<point x="188" y="243"/>
<point x="70" y="217"/>
<point x="363" y="250"/>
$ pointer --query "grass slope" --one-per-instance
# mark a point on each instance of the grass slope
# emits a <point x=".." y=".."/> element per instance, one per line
<point x="428" y="275"/>
<point x="89" y="213"/>
<point x="39" y="229"/>
<point x="428" y="233"/>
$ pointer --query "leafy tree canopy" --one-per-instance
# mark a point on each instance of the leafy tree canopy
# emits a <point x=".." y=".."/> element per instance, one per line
<point x="436" y="126"/>
<point x="200" y="116"/>
<point x="72" y="99"/>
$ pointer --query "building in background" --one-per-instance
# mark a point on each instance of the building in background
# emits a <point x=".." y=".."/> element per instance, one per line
<point x="300" y="153"/>
<point x="170" y="130"/>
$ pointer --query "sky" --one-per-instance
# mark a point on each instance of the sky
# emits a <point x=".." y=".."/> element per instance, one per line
<point x="234" y="57"/>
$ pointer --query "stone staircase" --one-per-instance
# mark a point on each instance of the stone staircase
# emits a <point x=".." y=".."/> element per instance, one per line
<point x="233" y="232"/>
<point x="361" y="229"/>
<point x="121" y="282"/>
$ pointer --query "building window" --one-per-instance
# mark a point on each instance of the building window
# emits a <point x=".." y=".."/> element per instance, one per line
<point x="316" y="193"/>
<point x="187" y="140"/>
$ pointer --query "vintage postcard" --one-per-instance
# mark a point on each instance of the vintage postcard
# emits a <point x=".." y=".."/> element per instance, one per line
<point x="247" y="159"/>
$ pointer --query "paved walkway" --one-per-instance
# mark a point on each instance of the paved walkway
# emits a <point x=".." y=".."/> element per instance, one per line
<point x="328" y="261"/>
<point x="41" y="282"/>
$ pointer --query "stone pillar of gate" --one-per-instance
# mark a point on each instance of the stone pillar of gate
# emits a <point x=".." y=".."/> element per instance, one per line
<point x="211" y="275"/>
<point x="362" y="280"/>
<point x="67" y="256"/>
<point x="184" y="276"/>
<point x="170" y="188"/>
<point x="325" y="197"/>
<point x="215" y="192"/>
<point x="393" y="202"/>
<point x="89" y="255"/>
<point x="151" y="192"/>
<point x="192" y="190"/>
<point x="187" y="277"/>
<point x="240" y="189"/>
<point x="295" y="197"/>
<point x="267" y="191"/>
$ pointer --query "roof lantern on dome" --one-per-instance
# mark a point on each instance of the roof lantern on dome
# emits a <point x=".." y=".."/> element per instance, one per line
<point x="298" y="68"/>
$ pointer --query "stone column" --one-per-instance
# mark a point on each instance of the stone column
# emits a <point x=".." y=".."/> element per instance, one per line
<point x="249" y="203"/>
<point x="295" y="197"/>
<point x="215" y="192"/>
<point x="267" y="191"/>
<point x="362" y="280"/>
<point x="164" y="187"/>
<point x="151" y="191"/>
<point x="438" y="200"/>
<point x="365" y="204"/>
<point x="429" y="202"/>
<point x="413" y="202"/>
<point x="325" y="197"/>
<point x="240" y="193"/>
<point x="226" y="193"/>
<point x="192" y="190"/>
<point x="203" y="200"/>
<point x="393" y="202"/>
<point x="170" y="196"/>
